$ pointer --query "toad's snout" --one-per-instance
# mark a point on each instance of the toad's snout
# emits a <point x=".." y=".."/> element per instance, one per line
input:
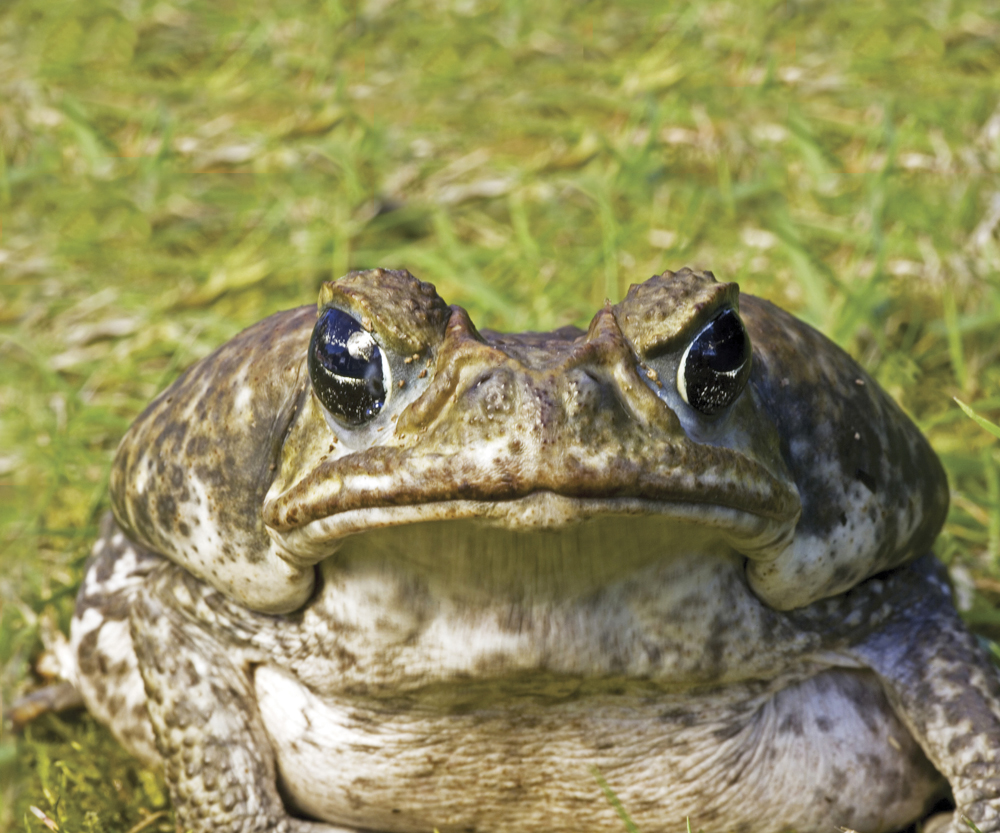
<point x="537" y="393"/>
<point x="536" y="429"/>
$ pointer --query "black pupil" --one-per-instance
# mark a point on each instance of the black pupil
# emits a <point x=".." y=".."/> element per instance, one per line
<point x="345" y="366"/>
<point x="717" y="365"/>
<point x="723" y="343"/>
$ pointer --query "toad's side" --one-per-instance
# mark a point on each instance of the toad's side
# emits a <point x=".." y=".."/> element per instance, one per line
<point x="387" y="572"/>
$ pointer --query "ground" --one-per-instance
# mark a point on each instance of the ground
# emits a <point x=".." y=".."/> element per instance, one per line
<point x="172" y="171"/>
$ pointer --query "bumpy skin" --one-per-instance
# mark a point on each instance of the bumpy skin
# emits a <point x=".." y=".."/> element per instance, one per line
<point x="536" y="560"/>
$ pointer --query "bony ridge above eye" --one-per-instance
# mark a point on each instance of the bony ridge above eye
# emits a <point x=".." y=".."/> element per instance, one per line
<point x="716" y="364"/>
<point x="346" y="368"/>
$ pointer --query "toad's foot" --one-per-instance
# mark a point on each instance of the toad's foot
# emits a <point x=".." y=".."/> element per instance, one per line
<point x="945" y="689"/>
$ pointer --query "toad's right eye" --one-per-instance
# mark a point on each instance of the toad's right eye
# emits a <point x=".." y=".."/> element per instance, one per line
<point x="346" y="369"/>
<point x="716" y="365"/>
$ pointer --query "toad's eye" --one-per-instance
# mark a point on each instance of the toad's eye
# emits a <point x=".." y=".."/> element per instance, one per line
<point x="345" y="366"/>
<point x="716" y="365"/>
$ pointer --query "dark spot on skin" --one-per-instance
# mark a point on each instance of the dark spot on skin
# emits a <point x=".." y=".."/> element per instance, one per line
<point x="198" y="446"/>
<point x="173" y="433"/>
<point x="213" y="476"/>
<point x="868" y="701"/>
<point x="345" y="658"/>
<point x="716" y="644"/>
<point x="355" y="801"/>
<point x="728" y="731"/>
<point x="136" y="733"/>
<point x="824" y="724"/>
<point x="100" y="688"/>
<point x="86" y="653"/>
<point x="166" y="510"/>
<point x="844" y="573"/>
<point x="191" y="674"/>
<point x="143" y="524"/>
<point x="866" y="480"/>
<point x="103" y="569"/>
<point x="792" y="723"/>
<point x="684" y="718"/>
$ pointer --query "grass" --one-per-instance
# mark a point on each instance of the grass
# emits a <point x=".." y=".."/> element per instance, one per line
<point x="172" y="171"/>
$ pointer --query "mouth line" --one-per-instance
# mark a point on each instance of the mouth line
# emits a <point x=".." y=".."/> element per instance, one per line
<point x="391" y="478"/>
<point x="756" y="536"/>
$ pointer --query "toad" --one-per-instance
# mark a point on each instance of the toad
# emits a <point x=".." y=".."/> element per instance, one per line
<point x="371" y="568"/>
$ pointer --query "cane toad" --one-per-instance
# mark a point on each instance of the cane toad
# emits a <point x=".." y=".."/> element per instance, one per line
<point x="371" y="568"/>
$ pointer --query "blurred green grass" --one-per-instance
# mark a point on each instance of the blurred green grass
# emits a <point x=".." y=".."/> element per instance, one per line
<point x="172" y="171"/>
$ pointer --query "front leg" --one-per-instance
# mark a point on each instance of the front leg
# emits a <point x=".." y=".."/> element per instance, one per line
<point x="942" y="684"/>
<point x="218" y="760"/>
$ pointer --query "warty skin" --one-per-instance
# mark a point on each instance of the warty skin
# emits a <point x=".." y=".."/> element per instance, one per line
<point x="536" y="558"/>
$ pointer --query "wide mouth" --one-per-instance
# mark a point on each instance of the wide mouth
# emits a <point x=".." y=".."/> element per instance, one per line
<point x="391" y="485"/>
<point x="543" y="527"/>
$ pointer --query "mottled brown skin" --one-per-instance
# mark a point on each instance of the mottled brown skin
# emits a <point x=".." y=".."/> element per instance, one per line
<point x="538" y="558"/>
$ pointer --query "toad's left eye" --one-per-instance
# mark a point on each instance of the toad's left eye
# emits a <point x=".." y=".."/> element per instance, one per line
<point x="345" y="366"/>
<point x="716" y="365"/>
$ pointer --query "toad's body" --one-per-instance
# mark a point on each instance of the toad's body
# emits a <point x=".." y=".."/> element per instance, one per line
<point x="434" y="578"/>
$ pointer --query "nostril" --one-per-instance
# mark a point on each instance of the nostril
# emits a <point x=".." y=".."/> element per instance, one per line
<point x="484" y="378"/>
